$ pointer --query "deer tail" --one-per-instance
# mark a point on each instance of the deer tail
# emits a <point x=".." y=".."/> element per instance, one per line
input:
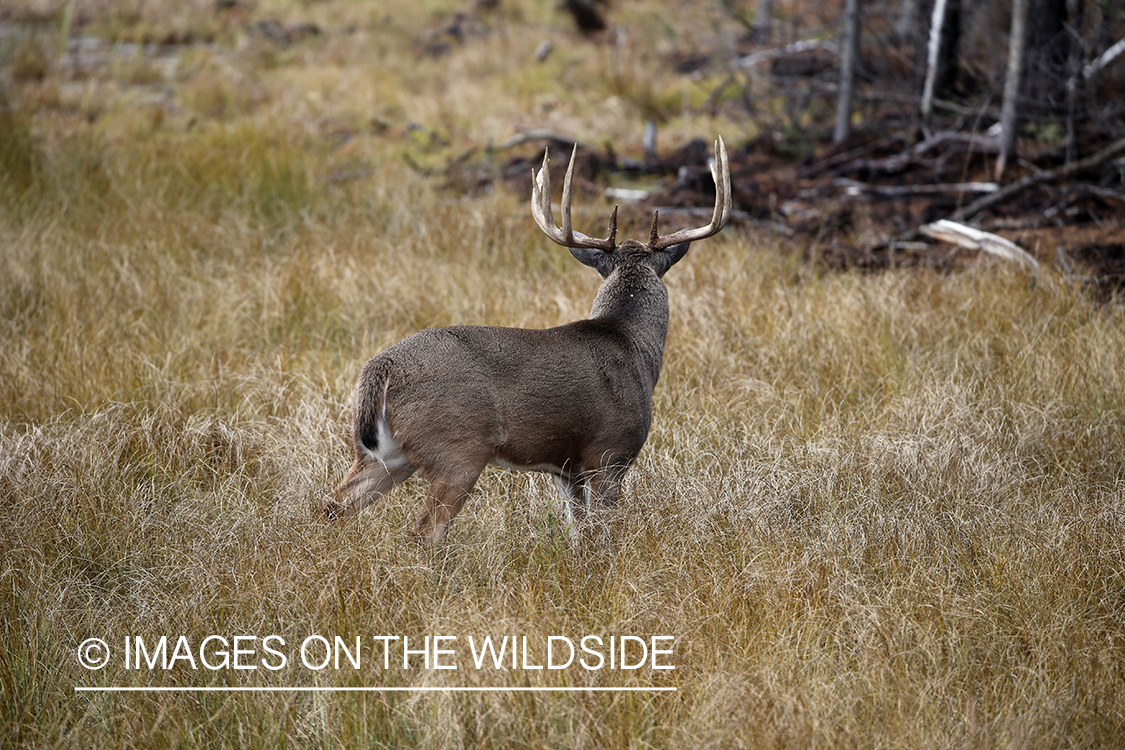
<point x="371" y="407"/>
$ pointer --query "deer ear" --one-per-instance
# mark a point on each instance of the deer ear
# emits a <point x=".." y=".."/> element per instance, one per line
<point x="594" y="258"/>
<point x="664" y="259"/>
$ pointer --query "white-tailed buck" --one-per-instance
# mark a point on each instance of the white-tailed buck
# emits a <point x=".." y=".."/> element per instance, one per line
<point x="573" y="401"/>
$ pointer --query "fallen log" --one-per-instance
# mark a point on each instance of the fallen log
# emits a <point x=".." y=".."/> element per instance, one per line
<point x="853" y="187"/>
<point x="975" y="239"/>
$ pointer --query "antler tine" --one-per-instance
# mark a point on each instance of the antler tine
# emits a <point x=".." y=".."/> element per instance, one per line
<point x="544" y="217"/>
<point x="541" y="201"/>
<point x="720" y="172"/>
<point x="568" y="183"/>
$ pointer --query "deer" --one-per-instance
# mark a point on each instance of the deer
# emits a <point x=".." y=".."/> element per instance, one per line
<point x="574" y="401"/>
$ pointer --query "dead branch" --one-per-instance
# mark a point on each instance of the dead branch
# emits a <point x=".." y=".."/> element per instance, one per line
<point x="913" y="155"/>
<point x="1106" y="194"/>
<point x="1104" y="59"/>
<point x="803" y="45"/>
<point x="1052" y="175"/>
<point x="833" y="161"/>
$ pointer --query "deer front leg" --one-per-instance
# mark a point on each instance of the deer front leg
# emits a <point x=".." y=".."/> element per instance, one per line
<point x="574" y="490"/>
<point x="365" y="482"/>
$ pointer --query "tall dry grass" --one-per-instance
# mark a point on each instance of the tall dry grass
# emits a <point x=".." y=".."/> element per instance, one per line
<point x="874" y="510"/>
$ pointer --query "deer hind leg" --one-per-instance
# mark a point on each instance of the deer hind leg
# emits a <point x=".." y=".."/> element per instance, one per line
<point x="449" y="489"/>
<point x="367" y="481"/>
<point x="603" y="486"/>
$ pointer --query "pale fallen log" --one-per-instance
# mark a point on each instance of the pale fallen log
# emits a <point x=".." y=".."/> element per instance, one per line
<point x="853" y="187"/>
<point x="975" y="239"/>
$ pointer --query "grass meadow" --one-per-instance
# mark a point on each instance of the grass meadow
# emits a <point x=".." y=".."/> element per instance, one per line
<point x="875" y="510"/>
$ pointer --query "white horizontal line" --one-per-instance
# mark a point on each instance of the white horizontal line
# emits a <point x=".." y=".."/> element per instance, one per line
<point x="291" y="689"/>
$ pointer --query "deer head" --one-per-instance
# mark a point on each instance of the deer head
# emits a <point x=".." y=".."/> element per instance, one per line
<point x="573" y="401"/>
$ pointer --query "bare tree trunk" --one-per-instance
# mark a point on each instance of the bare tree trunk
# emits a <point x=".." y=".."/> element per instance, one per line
<point x="763" y="19"/>
<point x="1009" y="116"/>
<point x="848" y="58"/>
<point x="936" y="24"/>
<point x="1073" y="73"/>
<point x="941" y="53"/>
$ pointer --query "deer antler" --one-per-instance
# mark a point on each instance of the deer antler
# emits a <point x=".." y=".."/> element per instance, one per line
<point x="720" y="172"/>
<point x="565" y="235"/>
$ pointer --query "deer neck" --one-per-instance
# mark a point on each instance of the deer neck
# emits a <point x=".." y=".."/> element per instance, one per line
<point x="635" y="302"/>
